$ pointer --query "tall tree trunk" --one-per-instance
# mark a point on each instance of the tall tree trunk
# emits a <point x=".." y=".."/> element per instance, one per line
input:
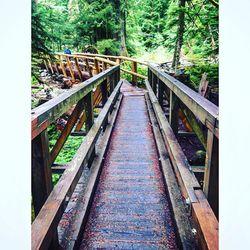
<point x="180" y="33"/>
<point x="123" y="47"/>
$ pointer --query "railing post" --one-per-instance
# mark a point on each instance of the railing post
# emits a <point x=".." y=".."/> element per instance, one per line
<point x="104" y="66"/>
<point x="154" y="79"/>
<point x="149" y="77"/>
<point x="70" y="68"/>
<point x="46" y="66"/>
<point x="78" y="68"/>
<point x="134" y="70"/>
<point x="173" y="112"/>
<point x="88" y="67"/>
<point x="51" y="68"/>
<point x="88" y="106"/>
<point x="97" y="68"/>
<point x="62" y="66"/>
<point x="211" y="176"/>
<point x="104" y="90"/>
<point x="160" y="92"/>
<point x="57" y="71"/>
<point x="41" y="171"/>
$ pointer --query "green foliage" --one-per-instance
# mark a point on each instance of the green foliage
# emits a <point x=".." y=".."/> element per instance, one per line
<point x="108" y="47"/>
<point x="197" y="70"/>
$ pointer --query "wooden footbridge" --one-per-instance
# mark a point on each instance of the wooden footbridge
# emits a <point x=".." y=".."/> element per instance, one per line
<point x="129" y="185"/>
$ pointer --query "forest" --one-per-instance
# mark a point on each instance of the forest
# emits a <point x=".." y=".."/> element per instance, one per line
<point x="183" y="33"/>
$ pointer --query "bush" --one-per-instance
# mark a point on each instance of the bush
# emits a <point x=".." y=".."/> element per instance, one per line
<point x="195" y="72"/>
<point x="108" y="47"/>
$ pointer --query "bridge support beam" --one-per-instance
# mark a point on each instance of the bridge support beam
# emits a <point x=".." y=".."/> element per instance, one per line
<point x="211" y="177"/>
<point x="41" y="171"/>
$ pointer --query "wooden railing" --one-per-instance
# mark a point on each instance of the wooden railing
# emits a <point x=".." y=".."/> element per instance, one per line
<point x="161" y="85"/>
<point x="70" y="64"/>
<point x="83" y="99"/>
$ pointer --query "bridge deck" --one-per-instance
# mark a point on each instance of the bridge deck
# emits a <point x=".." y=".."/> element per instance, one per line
<point x="130" y="208"/>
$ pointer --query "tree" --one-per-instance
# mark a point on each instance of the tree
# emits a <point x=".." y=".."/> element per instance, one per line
<point x="180" y="33"/>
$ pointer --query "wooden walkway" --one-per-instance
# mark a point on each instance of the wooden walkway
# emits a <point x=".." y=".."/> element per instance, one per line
<point x="130" y="209"/>
<point x="129" y="185"/>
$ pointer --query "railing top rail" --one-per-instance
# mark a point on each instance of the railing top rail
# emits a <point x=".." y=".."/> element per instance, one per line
<point x="107" y="56"/>
<point x="48" y="112"/>
<point x="203" y="109"/>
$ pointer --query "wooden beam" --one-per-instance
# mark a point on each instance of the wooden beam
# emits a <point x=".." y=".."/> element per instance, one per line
<point x="51" y="68"/>
<point x="46" y="66"/>
<point x="97" y="66"/>
<point x="88" y="68"/>
<point x="88" y="107"/>
<point x="62" y="66"/>
<point x="135" y="74"/>
<point x="160" y="92"/>
<point x="78" y="133"/>
<point x="41" y="172"/>
<point x="104" y="91"/>
<point x="58" y="169"/>
<point x="207" y="224"/>
<point x="134" y="70"/>
<point x="192" y="121"/>
<point x="45" y="224"/>
<point x="78" y="69"/>
<point x="70" y="68"/>
<point x="211" y="177"/>
<point x="173" y="113"/>
<point x="66" y="131"/>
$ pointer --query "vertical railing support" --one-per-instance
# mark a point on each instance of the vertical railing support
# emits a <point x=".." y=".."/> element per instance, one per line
<point x="51" y="68"/>
<point x="46" y="66"/>
<point x="97" y="68"/>
<point x="70" y="68"/>
<point x="104" y="90"/>
<point x="134" y="70"/>
<point x="62" y="66"/>
<point x="160" y="92"/>
<point x="88" y="67"/>
<point x="173" y="112"/>
<point x="41" y="171"/>
<point x="154" y="82"/>
<point x="78" y="68"/>
<point x="88" y="106"/>
<point x="211" y="176"/>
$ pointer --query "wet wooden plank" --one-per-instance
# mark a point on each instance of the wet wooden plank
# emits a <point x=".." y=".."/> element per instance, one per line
<point x="54" y="108"/>
<point x="45" y="224"/>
